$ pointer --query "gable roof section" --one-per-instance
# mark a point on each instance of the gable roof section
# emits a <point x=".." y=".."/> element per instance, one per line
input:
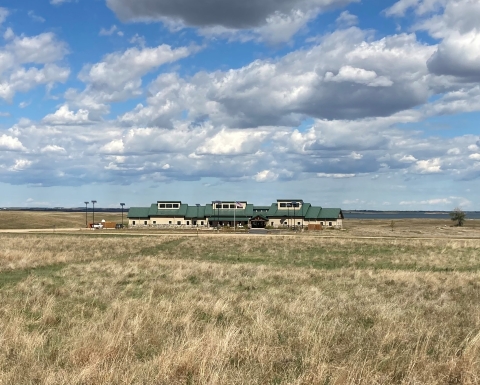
<point x="261" y="208"/>
<point x="195" y="212"/>
<point x="333" y="213"/>
<point x="275" y="212"/>
<point x="221" y="213"/>
<point x="138" y="212"/>
<point x="156" y="212"/>
<point x="313" y="212"/>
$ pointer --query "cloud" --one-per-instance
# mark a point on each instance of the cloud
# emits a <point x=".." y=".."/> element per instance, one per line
<point x="272" y="21"/>
<point x="119" y="75"/>
<point x="58" y="2"/>
<point x="334" y="176"/>
<point x="35" y="17"/>
<point x="21" y="164"/>
<point x="346" y="19"/>
<point x="233" y="142"/>
<point x="5" y="114"/>
<point x="474" y="156"/>
<point x="429" y="166"/>
<point x="436" y="202"/>
<point x="342" y="77"/>
<point x="358" y="75"/>
<point x="110" y="32"/>
<point x="3" y="14"/>
<point x="27" y="62"/>
<point x="265" y="176"/>
<point x="63" y="116"/>
<point x="232" y="14"/>
<point x="52" y="148"/>
<point x="8" y="143"/>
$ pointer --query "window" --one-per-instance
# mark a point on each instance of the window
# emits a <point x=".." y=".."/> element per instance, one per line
<point x="298" y="223"/>
<point x="210" y="223"/>
<point x="219" y="206"/>
<point x="145" y="222"/>
<point x="283" y="205"/>
<point x="201" y="223"/>
<point x="322" y="223"/>
<point x="188" y="222"/>
<point x="272" y="223"/>
<point x="179" y="222"/>
<point x="195" y="223"/>
<point x="226" y="206"/>
<point x="168" y="205"/>
<point x="154" y="222"/>
<point x="329" y="223"/>
<point x="161" y="205"/>
<point x="133" y="222"/>
<point x="169" y="222"/>
<point x="232" y="206"/>
<point x="175" y="205"/>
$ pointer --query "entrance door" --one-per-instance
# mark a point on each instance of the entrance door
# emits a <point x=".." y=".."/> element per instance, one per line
<point x="258" y="223"/>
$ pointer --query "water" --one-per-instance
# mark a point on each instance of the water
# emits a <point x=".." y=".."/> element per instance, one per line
<point x="405" y="214"/>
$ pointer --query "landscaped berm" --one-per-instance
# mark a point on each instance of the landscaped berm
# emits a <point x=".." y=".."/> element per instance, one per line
<point x="99" y="308"/>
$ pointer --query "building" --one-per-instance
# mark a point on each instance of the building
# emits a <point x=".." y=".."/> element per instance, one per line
<point x="285" y="213"/>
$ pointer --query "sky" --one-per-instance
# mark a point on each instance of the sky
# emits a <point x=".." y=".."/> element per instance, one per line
<point x="371" y="104"/>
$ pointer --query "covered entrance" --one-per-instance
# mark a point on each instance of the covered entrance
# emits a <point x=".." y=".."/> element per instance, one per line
<point x="258" y="222"/>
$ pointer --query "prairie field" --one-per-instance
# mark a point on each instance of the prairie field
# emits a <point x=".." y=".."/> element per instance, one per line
<point x="171" y="309"/>
<point x="49" y="219"/>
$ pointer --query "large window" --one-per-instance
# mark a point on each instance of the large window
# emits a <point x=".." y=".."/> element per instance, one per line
<point x="179" y="222"/>
<point x="168" y="205"/>
<point x="226" y="206"/>
<point x="145" y="222"/>
<point x="232" y="206"/>
<point x="219" y="206"/>
<point x="175" y="206"/>
<point x="161" y="205"/>
<point x="283" y="204"/>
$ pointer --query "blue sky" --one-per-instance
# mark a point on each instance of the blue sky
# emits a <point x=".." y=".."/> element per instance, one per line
<point x="346" y="103"/>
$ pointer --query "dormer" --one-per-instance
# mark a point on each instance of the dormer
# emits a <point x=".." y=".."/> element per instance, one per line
<point x="289" y="204"/>
<point x="168" y="205"/>
<point x="227" y="205"/>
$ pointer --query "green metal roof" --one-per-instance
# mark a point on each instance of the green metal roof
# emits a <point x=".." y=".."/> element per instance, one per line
<point x="138" y="212"/>
<point x="261" y="208"/>
<point x="213" y="213"/>
<point x="330" y="214"/>
<point x="290" y="212"/>
<point x="258" y="215"/>
<point x="156" y="212"/>
<point x="195" y="212"/>
<point x="229" y="219"/>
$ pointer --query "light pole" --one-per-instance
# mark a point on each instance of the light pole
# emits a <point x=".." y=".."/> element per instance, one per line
<point x="122" y="204"/>
<point x="198" y="205"/>
<point x="86" y="219"/>
<point x="217" y="203"/>
<point x="294" y="204"/>
<point x="288" y="214"/>
<point x="93" y="211"/>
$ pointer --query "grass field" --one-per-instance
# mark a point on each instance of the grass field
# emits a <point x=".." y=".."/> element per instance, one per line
<point x="49" y="219"/>
<point x="91" y="309"/>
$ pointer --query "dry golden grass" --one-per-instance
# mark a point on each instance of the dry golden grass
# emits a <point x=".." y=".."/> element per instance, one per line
<point x="48" y="219"/>
<point x="238" y="310"/>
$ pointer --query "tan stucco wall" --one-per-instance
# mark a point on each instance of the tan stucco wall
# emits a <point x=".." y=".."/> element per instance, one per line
<point x="164" y="221"/>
